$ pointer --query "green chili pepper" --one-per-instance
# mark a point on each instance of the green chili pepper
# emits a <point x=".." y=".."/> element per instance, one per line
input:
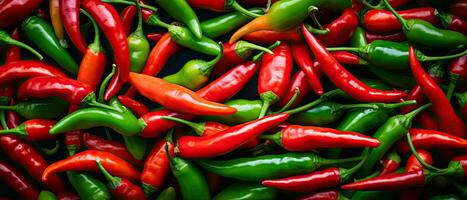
<point x="245" y="190"/>
<point x="5" y="40"/>
<point x="391" y="55"/>
<point x="42" y="35"/>
<point x="270" y="166"/>
<point x="167" y="194"/>
<point x="185" y="37"/>
<point x="123" y="122"/>
<point x="181" y="11"/>
<point x="51" y="108"/>
<point x="88" y="187"/>
<point x="139" y="45"/>
<point x="136" y="145"/>
<point x="191" y="181"/>
<point x="222" y="25"/>
<point x="46" y="195"/>
<point x="425" y="33"/>
<point x="358" y="38"/>
<point x="397" y="78"/>
<point x="390" y="132"/>
<point x="247" y="110"/>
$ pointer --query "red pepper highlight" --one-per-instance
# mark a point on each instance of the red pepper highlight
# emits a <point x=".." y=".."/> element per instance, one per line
<point x="13" y="53"/>
<point x="17" y="182"/>
<point x="341" y="29"/>
<point x="34" y="130"/>
<point x="93" y="142"/>
<point x="136" y="107"/>
<point x="389" y="182"/>
<point x="69" y="14"/>
<point x="156" y="167"/>
<point x="431" y="139"/>
<point x="17" y="70"/>
<point x="12" y="12"/>
<point x="302" y="57"/>
<point x="127" y="15"/>
<point x="299" y="81"/>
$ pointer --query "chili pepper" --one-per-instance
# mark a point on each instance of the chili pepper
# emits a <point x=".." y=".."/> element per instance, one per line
<point x="391" y="181"/>
<point x="194" y="74"/>
<point x="12" y="12"/>
<point x="5" y="39"/>
<point x="224" y="24"/>
<point x="391" y="131"/>
<point x="93" y="142"/>
<point x="358" y="38"/>
<point x="121" y="188"/>
<point x="325" y="195"/>
<point x="384" y="22"/>
<point x="391" y="55"/>
<point x="457" y="72"/>
<point x="227" y="140"/>
<point x="70" y="90"/>
<point x="36" y="109"/>
<point x="449" y="121"/>
<point x="269" y="36"/>
<point x="412" y="165"/>
<point x="176" y="97"/>
<point x="424" y="33"/>
<point x="285" y="15"/>
<point x="462" y="101"/>
<point x="167" y="194"/>
<point x="394" y="37"/>
<point x="245" y="190"/>
<point x="340" y="30"/>
<point x="32" y="130"/>
<point x="429" y="139"/>
<point x="13" y="53"/>
<point x="390" y="162"/>
<point x="41" y="34"/>
<point x="269" y="166"/>
<point x="247" y="110"/>
<point x="184" y="37"/>
<point x="68" y="196"/>
<point x="191" y="181"/>
<point x="221" y="6"/>
<point x="14" y="71"/>
<point x="46" y="195"/>
<point x="296" y="91"/>
<point x="107" y="18"/>
<point x="73" y="141"/>
<point x="341" y="77"/>
<point x="122" y="121"/>
<point x="138" y="45"/>
<point x="307" y="138"/>
<point x="155" y="37"/>
<point x="136" y="107"/>
<point x="93" y="63"/>
<point x="127" y="16"/>
<point x="457" y="8"/>
<point x="88" y="187"/>
<point x="69" y="15"/>
<point x="85" y="161"/>
<point x="452" y="22"/>
<point x="181" y="11"/>
<point x="426" y="121"/>
<point x="136" y="146"/>
<point x="301" y="55"/>
<point x="54" y="11"/>
<point x="17" y="182"/>
<point x="156" y="166"/>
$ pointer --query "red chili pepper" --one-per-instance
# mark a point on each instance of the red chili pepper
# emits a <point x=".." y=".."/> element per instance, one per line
<point x="301" y="55"/>
<point x="326" y="195"/>
<point x="93" y="142"/>
<point x="384" y="22"/>
<point x="413" y="165"/>
<point x="128" y="15"/>
<point x="219" y="90"/>
<point x="176" y="97"/>
<point x="307" y="138"/>
<point x="343" y="79"/>
<point x="17" y="182"/>
<point x="156" y="167"/>
<point x="28" y="157"/>
<point x="397" y="3"/>
<point x="69" y="14"/>
<point x="449" y="121"/>
<point x="33" y="130"/>
<point x="389" y="181"/>
<point x="107" y="18"/>
<point x="86" y="161"/>
<point x="299" y="81"/>
<point x="12" y="12"/>
<point x="429" y="139"/>
<point x="157" y="59"/>
<point x="121" y="188"/>
<point x="269" y="36"/>
<point x="73" y="141"/>
<point x="344" y="57"/>
<point x="458" y="8"/>
<point x="136" y="107"/>
<point x="155" y="37"/>
<point x="390" y="162"/>
<point x="463" y="162"/>
<point x="12" y="118"/>
<point x="274" y="76"/>
<point x="395" y="37"/>
<point x="227" y="140"/>
<point x="68" y="196"/>
<point x="18" y="70"/>
<point x="457" y="72"/>
<point x="341" y="29"/>
<point x="426" y="121"/>
<point x="13" y="53"/>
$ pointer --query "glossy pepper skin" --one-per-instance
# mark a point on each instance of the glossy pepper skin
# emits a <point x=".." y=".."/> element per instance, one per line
<point x="88" y="187"/>
<point x="394" y="37"/>
<point x="57" y="24"/>
<point x="41" y="33"/>
<point x="13" y="53"/>
<point x="181" y="10"/>
<point x="219" y="6"/>
<point x="86" y="161"/>
<point x="138" y="45"/>
<point x="136" y="107"/>
<point x="298" y="82"/>
<point x="176" y="97"/>
<point x="69" y="14"/>
<point x="107" y="18"/>
<point x="325" y="195"/>
<point x="302" y="57"/>
<point x="390" y="163"/>
<point x="384" y="22"/>
<point x="431" y="139"/>
<point x="12" y="12"/>
<point x="33" y="130"/>
<point x="184" y="37"/>
<point x="224" y="24"/>
<point x="156" y="166"/>
<point x="452" y="22"/>
<point x="340" y="76"/>
<point x="39" y="109"/>
<point x="127" y="15"/>
<point x="121" y="188"/>
<point x="17" y="70"/>
<point x="247" y="110"/>
<point x="457" y="73"/>
<point x="340" y="30"/>
<point x="245" y="190"/>
<point x="17" y="182"/>
<point x="269" y="37"/>
<point x="93" y="142"/>
<point x="227" y="140"/>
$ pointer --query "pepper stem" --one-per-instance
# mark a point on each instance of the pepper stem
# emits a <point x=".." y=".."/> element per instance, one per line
<point x="366" y="4"/>
<point x="260" y="55"/>
<point x="356" y="167"/>
<point x="171" y="159"/>
<point x="398" y="105"/>
<point x="154" y="20"/>
<point x="351" y="49"/>
<point x="321" y="99"/>
<point x="19" y="130"/>
<point x="199" y="129"/>
<point x="50" y="151"/>
<point x="139" y="27"/>
<point x="242" y="10"/>
<point x="104" y="84"/>
<point x="96" y="44"/>
<point x="243" y="48"/>
<point x="264" y="108"/>
<point x="341" y="161"/>
<point x="3" y="120"/>
<point x="90" y="100"/>
<point x="312" y="11"/>
<point x="433" y="58"/>
<point x="453" y="79"/>
<point x="276" y="138"/>
<point x="13" y="108"/>
<point x="291" y="101"/>
<point x="206" y="70"/>
<point x="112" y="180"/>
<point x="268" y="5"/>
<point x="409" y="116"/>
<point x="394" y="12"/>
<point x="154" y="9"/>
<point x="316" y="31"/>
<point x="414" y="152"/>
<point x="6" y="39"/>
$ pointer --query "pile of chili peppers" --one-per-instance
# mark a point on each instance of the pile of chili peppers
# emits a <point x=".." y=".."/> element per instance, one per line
<point x="233" y="99"/>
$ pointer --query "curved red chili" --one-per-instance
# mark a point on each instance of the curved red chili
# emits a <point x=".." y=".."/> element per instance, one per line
<point x="457" y="72"/>
<point x="270" y="36"/>
<point x="344" y="57"/>
<point x="343" y="79"/>
<point x="93" y="142"/>
<point x="17" y="182"/>
<point x="155" y="37"/>
<point x="299" y="81"/>
<point x="121" y="188"/>
<point x="302" y="57"/>
<point x="390" y="163"/>
<point x="395" y="37"/>
<point x="384" y="22"/>
<point x="13" y="53"/>
<point x="73" y="141"/>
<point x="341" y="29"/>
<point x="136" y="107"/>
<point x="413" y="165"/>
<point x="429" y="139"/>
<point x="389" y="181"/>
<point x="156" y="167"/>
<point x="127" y="15"/>
<point x="12" y="12"/>
<point x="69" y="14"/>
<point x="33" y="130"/>
<point x="17" y="70"/>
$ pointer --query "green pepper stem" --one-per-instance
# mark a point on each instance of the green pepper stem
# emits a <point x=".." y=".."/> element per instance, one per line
<point x="366" y="4"/>
<point x="409" y="116"/>
<point x="210" y="64"/>
<point x="6" y="39"/>
<point x="169" y="136"/>
<point x="171" y="159"/>
<point x="96" y="44"/>
<point x="19" y="131"/>
<point x="291" y="101"/>
<point x="351" y="49"/>
<point x="2" y="120"/>
<point x="453" y="79"/>
<point x="414" y="152"/>
<point x="394" y="12"/>
<point x="321" y="99"/>
<point x="154" y="20"/>
<point x="433" y="58"/>
<point x="113" y="181"/>
<point x="316" y="31"/>
<point x="260" y="55"/>
<point x="139" y="27"/>
<point x="49" y="151"/>
<point x="264" y="108"/>
<point x="357" y="166"/>
<point x="276" y="138"/>
<point x="242" y="10"/>
<point x="400" y="104"/>
<point x="195" y="126"/>
<point x="9" y="107"/>
<point x="101" y="105"/>
<point x="312" y="13"/>
<point x="243" y="48"/>
<point x="359" y="105"/>
<point x="104" y="84"/>
<point x="268" y="5"/>
<point x="154" y="9"/>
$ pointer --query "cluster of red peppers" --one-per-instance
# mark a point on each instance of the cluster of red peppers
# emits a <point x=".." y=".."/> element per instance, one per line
<point x="264" y="112"/>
